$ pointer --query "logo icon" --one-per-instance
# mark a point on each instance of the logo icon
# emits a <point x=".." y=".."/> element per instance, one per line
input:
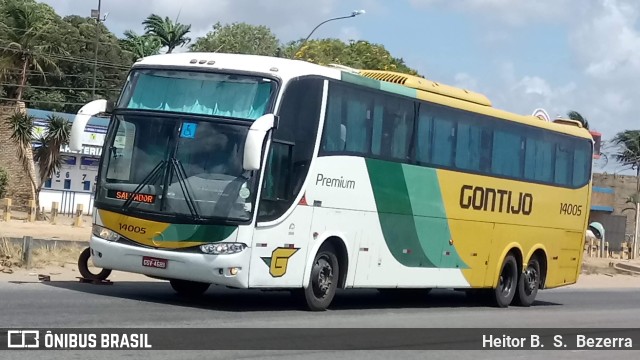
<point x="23" y="339"/>
<point x="279" y="260"/>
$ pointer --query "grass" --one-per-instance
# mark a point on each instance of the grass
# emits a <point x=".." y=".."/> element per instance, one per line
<point x="11" y="255"/>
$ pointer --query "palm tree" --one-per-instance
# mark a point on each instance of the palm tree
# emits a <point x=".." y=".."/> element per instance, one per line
<point x="21" y="127"/>
<point x="574" y="115"/>
<point x="25" y="29"/>
<point x="140" y="45"/>
<point x="47" y="154"/>
<point x="171" y="34"/>
<point x="628" y="152"/>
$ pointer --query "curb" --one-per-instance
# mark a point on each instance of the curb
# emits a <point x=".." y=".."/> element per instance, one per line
<point x="49" y="244"/>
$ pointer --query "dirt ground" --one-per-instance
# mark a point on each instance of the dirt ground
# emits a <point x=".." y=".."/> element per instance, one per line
<point x="63" y="230"/>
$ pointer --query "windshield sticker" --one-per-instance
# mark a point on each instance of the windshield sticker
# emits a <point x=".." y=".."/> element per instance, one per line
<point x="188" y="130"/>
<point x="244" y="192"/>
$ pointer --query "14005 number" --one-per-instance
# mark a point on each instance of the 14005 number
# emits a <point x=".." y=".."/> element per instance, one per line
<point x="570" y="209"/>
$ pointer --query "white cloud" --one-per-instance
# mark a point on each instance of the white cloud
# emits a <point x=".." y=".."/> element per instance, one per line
<point x="510" y="12"/>
<point x="289" y="19"/>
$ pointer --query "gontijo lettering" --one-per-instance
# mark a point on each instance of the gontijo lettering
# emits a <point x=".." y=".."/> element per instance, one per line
<point x="488" y="199"/>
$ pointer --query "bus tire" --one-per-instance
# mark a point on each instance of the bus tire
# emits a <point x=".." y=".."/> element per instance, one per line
<point x="507" y="282"/>
<point x="189" y="288"/>
<point x="529" y="283"/>
<point x="325" y="272"/>
<point x="83" y="267"/>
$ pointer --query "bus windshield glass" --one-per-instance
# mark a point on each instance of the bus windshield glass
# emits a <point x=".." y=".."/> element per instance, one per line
<point x="176" y="166"/>
<point x="203" y="93"/>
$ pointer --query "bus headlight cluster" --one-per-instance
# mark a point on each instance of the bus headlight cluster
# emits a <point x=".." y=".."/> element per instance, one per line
<point x="104" y="233"/>
<point x="223" y="248"/>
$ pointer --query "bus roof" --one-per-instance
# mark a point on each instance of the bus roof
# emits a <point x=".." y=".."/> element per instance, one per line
<point x="401" y="84"/>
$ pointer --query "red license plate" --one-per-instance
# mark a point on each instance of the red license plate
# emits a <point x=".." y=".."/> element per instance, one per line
<point x="154" y="262"/>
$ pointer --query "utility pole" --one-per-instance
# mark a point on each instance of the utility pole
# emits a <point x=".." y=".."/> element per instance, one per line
<point x="96" y="14"/>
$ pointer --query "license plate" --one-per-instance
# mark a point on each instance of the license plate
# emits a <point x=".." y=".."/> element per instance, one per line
<point x="154" y="262"/>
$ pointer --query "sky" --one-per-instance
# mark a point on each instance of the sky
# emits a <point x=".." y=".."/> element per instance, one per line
<point x="559" y="55"/>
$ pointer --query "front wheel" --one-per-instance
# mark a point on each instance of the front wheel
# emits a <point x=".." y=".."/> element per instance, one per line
<point x="324" y="279"/>
<point x="507" y="282"/>
<point x="189" y="288"/>
<point x="83" y="267"/>
<point x="529" y="283"/>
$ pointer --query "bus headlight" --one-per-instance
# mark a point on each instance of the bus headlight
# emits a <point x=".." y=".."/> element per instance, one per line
<point x="222" y="248"/>
<point x="104" y="233"/>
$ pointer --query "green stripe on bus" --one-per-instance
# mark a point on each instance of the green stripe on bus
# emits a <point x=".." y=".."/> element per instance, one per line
<point x="412" y="215"/>
<point x="195" y="233"/>
<point x="360" y="80"/>
<point x="398" y="89"/>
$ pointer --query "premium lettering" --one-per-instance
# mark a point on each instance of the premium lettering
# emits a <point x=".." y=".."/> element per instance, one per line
<point x="335" y="182"/>
<point x="495" y="200"/>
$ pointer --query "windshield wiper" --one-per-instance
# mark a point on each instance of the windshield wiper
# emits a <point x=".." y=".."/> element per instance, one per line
<point x="157" y="170"/>
<point x="181" y="174"/>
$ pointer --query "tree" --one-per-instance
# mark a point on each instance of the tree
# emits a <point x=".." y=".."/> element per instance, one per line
<point x="4" y="182"/>
<point x="628" y="151"/>
<point x="356" y="54"/>
<point x="171" y="34"/>
<point x="238" y="38"/>
<point x="21" y="128"/>
<point x="47" y="153"/>
<point x="574" y="115"/>
<point x="26" y="27"/>
<point x="140" y="45"/>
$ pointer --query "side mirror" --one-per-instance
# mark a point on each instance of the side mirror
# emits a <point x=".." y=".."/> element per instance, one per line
<point x="255" y="138"/>
<point x="80" y="122"/>
<point x="111" y="104"/>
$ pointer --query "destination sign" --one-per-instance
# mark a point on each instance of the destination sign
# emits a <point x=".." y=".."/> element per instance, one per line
<point x="125" y="195"/>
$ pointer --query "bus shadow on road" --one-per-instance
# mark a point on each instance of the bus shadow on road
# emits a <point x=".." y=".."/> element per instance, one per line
<point x="221" y="298"/>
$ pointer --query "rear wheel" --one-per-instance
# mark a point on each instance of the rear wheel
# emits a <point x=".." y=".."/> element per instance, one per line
<point x="189" y="288"/>
<point x="507" y="282"/>
<point x="529" y="283"/>
<point x="323" y="282"/>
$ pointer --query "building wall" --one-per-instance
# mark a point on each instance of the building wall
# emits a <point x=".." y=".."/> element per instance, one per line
<point x="19" y="189"/>
<point x="624" y="186"/>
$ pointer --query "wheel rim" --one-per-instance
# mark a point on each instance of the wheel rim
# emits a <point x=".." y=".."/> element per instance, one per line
<point x="531" y="280"/>
<point x="506" y="282"/>
<point x="324" y="278"/>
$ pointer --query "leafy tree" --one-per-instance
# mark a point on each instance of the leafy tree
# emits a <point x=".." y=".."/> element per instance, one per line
<point x="356" y="54"/>
<point x="140" y="45"/>
<point x="628" y="151"/>
<point x="24" y="43"/>
<point x="574" y="115"/>
<point x="238" y="38"/>
<point x="171" y="34"/>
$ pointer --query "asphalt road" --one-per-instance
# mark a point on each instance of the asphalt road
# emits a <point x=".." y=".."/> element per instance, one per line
<point x="153" y="304"/>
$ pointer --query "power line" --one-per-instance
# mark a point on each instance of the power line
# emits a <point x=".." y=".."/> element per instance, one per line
<point x="71" y="59"/>
<point x="17" y="71"/>
<point x="45" y="101"/>
<point x="81" y="39"/>
<point x="56" y="87"/>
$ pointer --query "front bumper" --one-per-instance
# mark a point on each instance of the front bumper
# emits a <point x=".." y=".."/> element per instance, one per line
<point x="212" y="269"/>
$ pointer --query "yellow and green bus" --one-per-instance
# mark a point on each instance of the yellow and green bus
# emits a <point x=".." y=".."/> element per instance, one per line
<point x="259" y="172"/>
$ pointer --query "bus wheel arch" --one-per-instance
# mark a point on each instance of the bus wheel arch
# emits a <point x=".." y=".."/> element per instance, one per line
<point x="343" y="258"/>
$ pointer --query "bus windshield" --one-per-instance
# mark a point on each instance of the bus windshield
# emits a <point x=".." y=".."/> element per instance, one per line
<point x="203" y="93"/>
<point x="176" y="166"/>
